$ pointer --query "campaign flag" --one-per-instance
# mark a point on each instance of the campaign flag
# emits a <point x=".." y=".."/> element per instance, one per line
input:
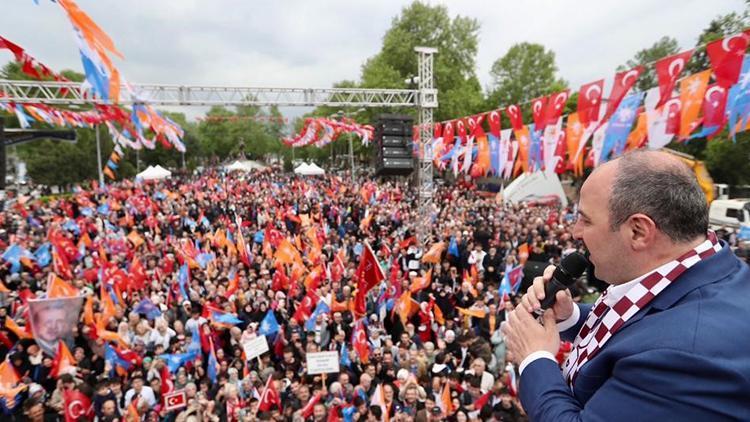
<point x="270" y="396"/>
<point x="183" y="278"/>
<point x="624" y="81"/>
<point x="269" y="325"/>
<point x="322" y="308"/>
<point x="359" y="342"/>
<point x="453" y="247"/>
<point x="77" y="406"/>
<point x="668" y="71"/>
<point x="42" y="255"/>
<point x="175" y="400"/>
<point x="369" y="274"/>
<point x="176" y="360"/>
<point x="213" y="365"/>
<point x="221" y="317"/>
<point x="589" y="102"/>
<point x="53" y="321"/>
<point x="147" y="308"/>
<point x="726" y="58"/>
<point x="619" y="127"/>
<point x="345" y="360"/>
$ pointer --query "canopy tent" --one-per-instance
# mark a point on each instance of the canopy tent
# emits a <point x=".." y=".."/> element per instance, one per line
<point x="245" y="165"/>
<point x="154" y="173"/>
<point x="537" y="186"/>
<point x="311" y="169"/>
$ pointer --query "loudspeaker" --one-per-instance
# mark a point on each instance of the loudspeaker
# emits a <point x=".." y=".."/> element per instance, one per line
<point x="393" y="145"/>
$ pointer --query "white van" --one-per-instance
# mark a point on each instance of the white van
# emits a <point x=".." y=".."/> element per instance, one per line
<point x="729" y="213"/>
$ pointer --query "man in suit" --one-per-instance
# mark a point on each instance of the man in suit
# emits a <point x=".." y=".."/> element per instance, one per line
<point x="668" y="338"/>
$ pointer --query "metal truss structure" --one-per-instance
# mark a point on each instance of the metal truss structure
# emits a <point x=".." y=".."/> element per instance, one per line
<point x="424" y="99"/>
<point x="427" y="103"/>
<point x="71" y="93"/>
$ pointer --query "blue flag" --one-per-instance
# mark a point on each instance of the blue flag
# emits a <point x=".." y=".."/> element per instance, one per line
<point x="176" y="360"/>
<point x="111" y="356"/>
<point x="42" y="255"/>
<point x="345" y="360"/>
<point x="536" y="161"/>
<point x="225" y="318"/>
<point x="183" y="278"/>
<point x="87" y="212"/>
<point x="453" y="247"/>
<point x="204" y="259"/>
<point x="259" y="236"/>
<point x="147" y="308"/>
<point x="103" y="209"/>
<point x="213" y="366"/>
<point x="269" y="325"/>
<point x="619" y="127"/>
<point x="738" y="100"/>
<point x="13" y="256"/>
<point x="322" y="308"/>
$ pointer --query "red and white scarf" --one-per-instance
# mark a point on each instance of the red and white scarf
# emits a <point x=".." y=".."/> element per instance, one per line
<point x="604" y="321"/>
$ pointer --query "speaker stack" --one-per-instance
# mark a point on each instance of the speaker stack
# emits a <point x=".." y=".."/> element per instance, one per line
<point x="393" y="145"/>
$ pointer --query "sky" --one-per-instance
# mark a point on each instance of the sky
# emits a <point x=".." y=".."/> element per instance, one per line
<point x="315" y="43"/>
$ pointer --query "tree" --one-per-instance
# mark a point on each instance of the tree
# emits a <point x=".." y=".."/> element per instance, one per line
<point x="719" y="27"/>
<point x="525" y="72"/>
<point x="666" y="46"/>
<point x="420" y="24"/>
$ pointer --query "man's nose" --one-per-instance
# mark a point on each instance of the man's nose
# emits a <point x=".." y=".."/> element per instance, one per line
<point x="578" y="230"/>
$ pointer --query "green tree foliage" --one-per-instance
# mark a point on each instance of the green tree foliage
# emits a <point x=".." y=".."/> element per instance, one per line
<point x="525" y="72"/>
<point x="421" y="24"/>
<point x="666" y="46"/>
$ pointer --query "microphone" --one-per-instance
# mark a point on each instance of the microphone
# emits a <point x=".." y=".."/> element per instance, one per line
<point x="571" y="267"/>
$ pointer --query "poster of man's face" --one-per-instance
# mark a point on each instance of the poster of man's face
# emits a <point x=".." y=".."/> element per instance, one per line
<point x="53" y="320"/>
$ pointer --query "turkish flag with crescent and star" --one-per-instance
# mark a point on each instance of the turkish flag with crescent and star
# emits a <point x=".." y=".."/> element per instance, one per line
<point x="359" y="342"/>
<point x="668" y="70"/>
<point x="726" y="58"/>
<point x="175" y="400"/>
<point x="369" y="275"/>
<point x="269" y="397"/>
<point x="539" y="112"/>
<point x="589" y="102"/>
<point x="623" y="82"/>
<point x="514" y="114"/>
<point x="77" y="406"/>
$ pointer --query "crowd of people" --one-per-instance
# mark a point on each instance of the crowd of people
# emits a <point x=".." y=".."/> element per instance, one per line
<point x="177" y="276"/>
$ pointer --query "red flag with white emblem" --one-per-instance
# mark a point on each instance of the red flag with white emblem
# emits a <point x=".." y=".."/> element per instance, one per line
<point x="269" y="397"/>
<point x="359" y="342"/>
<point x="726" y="58"/>
<point x="538" y="112"/>
<point x="555" y="107"/>
<point x="589" y="102"/>
<point x="514" y="114"/>
<point x="623" y="82"/>
<point x="77" y="406"/>
<point x="668" y="70"/>
<point x="369" y="275"/>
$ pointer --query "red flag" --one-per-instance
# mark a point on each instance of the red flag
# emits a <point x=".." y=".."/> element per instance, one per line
<point x="714" y="103"/>
<point x="359" y="342"/>
<point x="514" y="114"/>
<point x="623" y="82"/>
<point x="448" y="133"/>
<point x="555" y="107"/>
<point x="437" y="130"/>
<point x="726" y="58"/>
<point x="539" y="111"/>
<point x="60" y="264"/>
<point x="77" y="406"/>
<point x="337" y="268"/>
<point x="482" y="400"/>
<point x="369" y="274"/>
<point x="305" y="308"/>
<point x="63" y="362"/>
<point x="494" y="122"/>
<point x="167" y="385"/>
<point x="280" y="280"/>
<point x="307" y="411"/>
<point x="137" y="279"/>
<point x="269" y="397"/>
<point x="175" y="400"/>
<point x="668" y="70"/>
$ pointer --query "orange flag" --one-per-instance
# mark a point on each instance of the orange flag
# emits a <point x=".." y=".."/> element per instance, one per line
<point x="483" y="154"/>
<point x="637" y="138"/>
<point x="135" y="239"/>
<point x="476" y="313"/>
<point x="692" y="90"/>
<point x="421" y="283"/>
<point x="573" y="135"/>
<point x="286" y="253"/>
<point x="57" y="287"/>
<point x="433" y="255"/>
<point x="3" y="288"/>
<point x="85" y="239"/>
<point x="64" y="361"/>
<point x="18" y="331"/>
<point x="523" y="253"/>
<point x="8" y="382"/>
<point x="403" y="307"/>
<point x="524" y="140"/>
<point x="446" y="403"/>
<point x="88" y="311"/>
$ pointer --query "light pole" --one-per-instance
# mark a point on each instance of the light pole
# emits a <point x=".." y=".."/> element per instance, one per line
<point x="99" y="157"/>
<point x="340" y="115"/>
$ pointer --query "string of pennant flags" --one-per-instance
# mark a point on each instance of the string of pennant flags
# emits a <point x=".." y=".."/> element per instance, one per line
<point x="321" y="131"/>
<point x="141" y="127"/>
<point x="705" y="103"/>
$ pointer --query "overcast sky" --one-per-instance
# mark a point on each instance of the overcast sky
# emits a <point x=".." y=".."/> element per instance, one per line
<point x="314" y="43"/>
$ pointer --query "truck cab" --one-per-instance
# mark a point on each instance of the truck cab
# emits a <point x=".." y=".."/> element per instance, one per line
<point x="731" y="214"/>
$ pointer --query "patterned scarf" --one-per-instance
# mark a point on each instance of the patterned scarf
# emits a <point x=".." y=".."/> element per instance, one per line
<point x="603" y="322"/>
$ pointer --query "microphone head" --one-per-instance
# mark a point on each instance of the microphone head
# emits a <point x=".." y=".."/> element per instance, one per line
<point x="571" y="267"/>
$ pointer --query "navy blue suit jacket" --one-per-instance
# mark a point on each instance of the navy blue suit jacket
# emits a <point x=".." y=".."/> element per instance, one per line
<point x="684" y="357"/>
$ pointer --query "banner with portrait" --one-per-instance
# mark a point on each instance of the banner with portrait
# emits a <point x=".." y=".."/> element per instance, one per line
<point x="53" y="320"/>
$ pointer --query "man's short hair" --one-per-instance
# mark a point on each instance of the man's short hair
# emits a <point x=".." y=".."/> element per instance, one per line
<point x="665" y="190"/>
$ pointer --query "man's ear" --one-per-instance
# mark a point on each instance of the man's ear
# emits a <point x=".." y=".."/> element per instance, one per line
<point x="641" y="231"/>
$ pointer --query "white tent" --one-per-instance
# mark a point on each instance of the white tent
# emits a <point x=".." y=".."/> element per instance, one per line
<point x="154" y="173"/>
<point x="309" y="170"/>
<point x="246" y="166"/>
<point x="536" y="186"/>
